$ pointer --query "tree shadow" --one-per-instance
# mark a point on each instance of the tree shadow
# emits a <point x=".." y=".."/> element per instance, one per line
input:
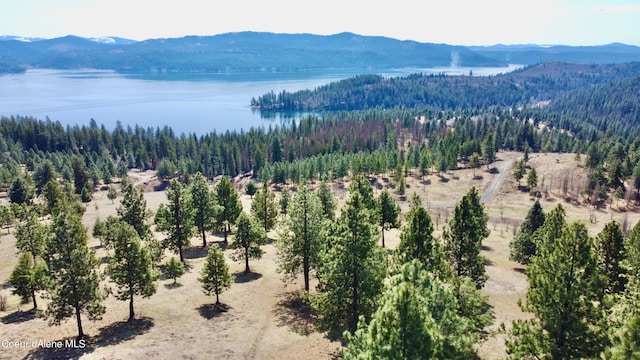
<point x="172" y="285"/>
<point x="243" y="277"/>
<point x="73" y="348"/>
<point x="444" y="179"/>
<point x="478" y="177"/>
<point x="18" y="317"/>
<point x="294" y="312"/>
<point x="210" y="311"/>
<point x="195" y="252"/>
<point x="521" y="270"/>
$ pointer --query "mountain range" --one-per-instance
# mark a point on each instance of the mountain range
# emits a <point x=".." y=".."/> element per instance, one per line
<point x="270" y="52"/>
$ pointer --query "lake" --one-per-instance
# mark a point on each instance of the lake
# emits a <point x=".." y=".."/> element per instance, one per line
<point x="191" y="104"/>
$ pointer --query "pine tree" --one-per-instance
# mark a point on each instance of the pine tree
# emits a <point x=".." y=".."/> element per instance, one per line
<point x="353" y="267"/>
<point x="519" y="171"/>
<point x="205" y="208"/>
<point x="73" y="269"/>
<point x="31" y="233"/>
<point x="250" y="189"/>
<point x="417" y="319"/>
<point x="214" y="276"/>
<point x="388" y="213"/>
<point x="299" y="243"/>
<point x="610" y="248"/>
<point x="176" y="218"/>
<point x="264" y="208"/>
<point x="28" y="277"/>
<point x="564" y="286"/>
<point x="417" y="241"/>
<point x="532" y="178"/>
<point x="45" y="172"/>
<point x="285" y="199"/>
<point x="130" y="266"/>
<point x="327" y="200"/>
<point x="551" y="229"/>
<point x="112" y="194"/>
<point x="228" y="198"/>
<point x="523" y="246"/>
<point x="174" y="269"/>
<point x="249" y="237"/>
<point x="133" y="209"/>
<point x="463" y="238"/>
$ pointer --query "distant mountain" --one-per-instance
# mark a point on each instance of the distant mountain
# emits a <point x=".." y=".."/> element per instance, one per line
<point x="269" y="52"/>
<point x="533" y="54"/>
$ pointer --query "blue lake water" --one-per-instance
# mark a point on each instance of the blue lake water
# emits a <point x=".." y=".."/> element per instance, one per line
<point x="193" y="104"/>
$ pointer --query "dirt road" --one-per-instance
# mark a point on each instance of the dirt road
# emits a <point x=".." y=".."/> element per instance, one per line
<point x="497" y="182"/>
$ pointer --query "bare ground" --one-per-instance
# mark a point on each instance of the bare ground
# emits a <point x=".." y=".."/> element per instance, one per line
<point x="262" y="317"/>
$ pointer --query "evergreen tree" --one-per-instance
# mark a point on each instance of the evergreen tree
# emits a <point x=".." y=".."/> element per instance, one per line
<point x="417" y="319"/>
<point x="551" y="229"/>
<point x="264" y="208"/>
<point x="474" y="163"/>
<point x="610" y="248"/>
<point x="564" y="288"/>
<point x="249" y="237"/>
<point x="130" y="266"/>
<point x="6" y="217"/>
<point x="327" y="200"/>
<point x="205" y="208"/>
<point x="300" y="241"/>
<point x="463" y="238"/>
<point x="489" y="149"/>
<point x="285" y="199"/>
<point x="174" y="269"/>
<point x="388" y="213"/>
<point x="228" y="198"/>
<point x="73" y="269"/>
<point x="626" y="340"/>
<point x="519" y="171"/>
<point x="532" y="178"/>
<point x="31" y="233"/>
<point x="112" y="194"/>
<point x="80" y="174"/>
<point x="417" y="241"/>
<point x="21" y="190"/>
<point x="45" y="172"/>
<point x="523" y="246"/>
<point x="28" y="277"/>
<point x="176" y="218"/>
<point x="250" y="189"/>
<point x="353" y="267"/>
<point x="133" y="209"/>
<point x="214" y="276"/>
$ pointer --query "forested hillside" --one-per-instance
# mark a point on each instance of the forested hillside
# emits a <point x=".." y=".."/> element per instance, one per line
<point x="437" y="164"/>
<point x="282" y="53"/>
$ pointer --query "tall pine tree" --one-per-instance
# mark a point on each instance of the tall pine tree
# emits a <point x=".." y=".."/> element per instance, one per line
<point x="130" y="266"/>
<point x="300" y="240"/>
<point x="176" y="218"/>
<point x="565" y="288"/>
<point x="73" y="270"/>
<point x="463" y="238"/>
<point x="353" y="267"/>
<point x="214" y="276"/>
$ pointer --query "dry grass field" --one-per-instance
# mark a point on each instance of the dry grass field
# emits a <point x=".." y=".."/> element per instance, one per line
<point x="262" y="319"/>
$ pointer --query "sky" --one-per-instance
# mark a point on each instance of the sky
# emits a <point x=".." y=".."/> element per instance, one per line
<point x="458" y="22"/>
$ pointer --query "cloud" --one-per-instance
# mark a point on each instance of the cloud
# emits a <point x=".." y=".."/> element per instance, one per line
<point x="618" y="9"/>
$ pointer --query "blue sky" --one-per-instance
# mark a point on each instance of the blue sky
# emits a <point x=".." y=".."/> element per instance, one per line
<point x="478" y="22"/>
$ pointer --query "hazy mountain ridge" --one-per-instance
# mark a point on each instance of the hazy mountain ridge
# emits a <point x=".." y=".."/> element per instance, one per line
<point x="260" y="51"/>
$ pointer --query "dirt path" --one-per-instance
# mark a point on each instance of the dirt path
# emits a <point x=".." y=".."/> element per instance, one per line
<point x="497" y="182"/>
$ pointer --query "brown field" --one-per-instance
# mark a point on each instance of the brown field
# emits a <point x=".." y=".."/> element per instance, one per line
<point x="263" y="320"/>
